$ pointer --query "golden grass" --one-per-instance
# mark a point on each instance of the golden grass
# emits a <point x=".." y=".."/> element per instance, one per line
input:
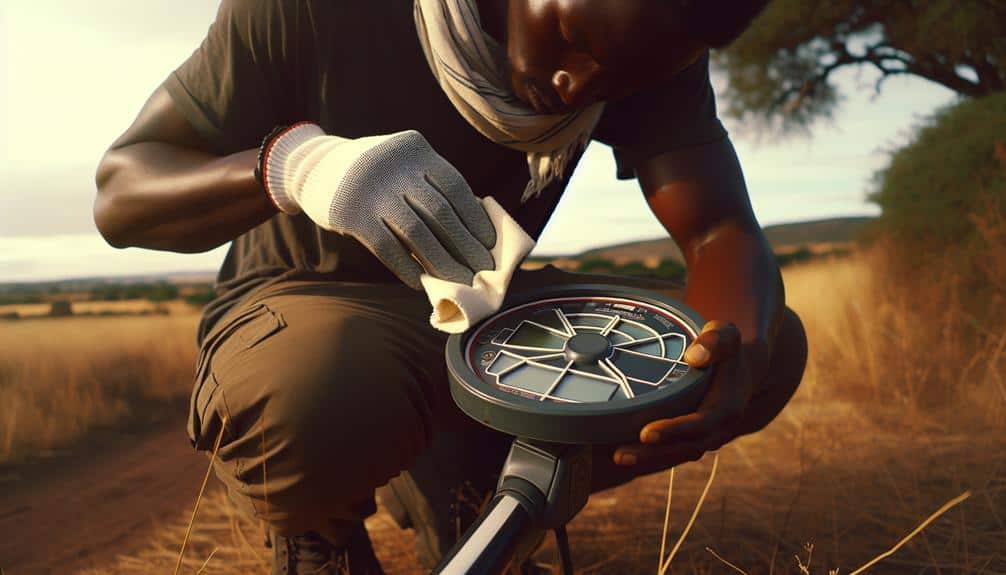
<point x="902" y="408"/>
<point x="232" y="539"/>
<point x="26" y="309"/>
<point x="804" y="565"/>
<point x="60" y="378"/>
<point x="913" y="343"/>
<point x="97" y="307"/>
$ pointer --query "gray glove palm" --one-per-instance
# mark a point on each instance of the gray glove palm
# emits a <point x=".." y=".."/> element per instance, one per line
<point x="394" y="194"/>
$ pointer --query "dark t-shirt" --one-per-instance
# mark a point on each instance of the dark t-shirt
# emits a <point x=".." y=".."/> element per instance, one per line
<point x="357" y="69"/>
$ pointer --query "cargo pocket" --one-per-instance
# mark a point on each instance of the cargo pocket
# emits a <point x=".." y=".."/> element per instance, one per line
<point x="241" y="332"/>
<point x="202" y="397"/>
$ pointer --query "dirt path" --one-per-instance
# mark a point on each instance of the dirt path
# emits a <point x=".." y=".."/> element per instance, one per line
<point x="812" y="476"/>
<point x="81" y="510"/>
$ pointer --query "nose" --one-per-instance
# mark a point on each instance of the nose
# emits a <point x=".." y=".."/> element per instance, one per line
<point x="577" y="88"/>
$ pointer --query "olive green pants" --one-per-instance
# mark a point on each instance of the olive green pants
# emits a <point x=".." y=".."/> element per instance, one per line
<point x="319" y="392"/>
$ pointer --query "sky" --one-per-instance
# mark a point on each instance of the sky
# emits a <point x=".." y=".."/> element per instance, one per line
<point x="74" y="74"/>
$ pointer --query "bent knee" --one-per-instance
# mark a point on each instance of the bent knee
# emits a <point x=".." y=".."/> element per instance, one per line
<point x="791" y="340"/>
<point x="321" y="416"/>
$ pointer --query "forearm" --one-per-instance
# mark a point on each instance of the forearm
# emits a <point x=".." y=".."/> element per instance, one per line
<point x="167" y="197"/>
<point x="699" y="196"/>
<point x="733" y="276"/>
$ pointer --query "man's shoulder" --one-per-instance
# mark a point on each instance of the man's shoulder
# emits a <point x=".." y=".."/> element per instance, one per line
<point x="319" y="13"/>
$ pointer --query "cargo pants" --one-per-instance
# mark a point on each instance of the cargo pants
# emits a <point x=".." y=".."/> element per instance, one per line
<point x="321" y="391"/>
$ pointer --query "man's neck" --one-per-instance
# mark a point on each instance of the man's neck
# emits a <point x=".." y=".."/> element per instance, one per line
<point x="493" y="14"/>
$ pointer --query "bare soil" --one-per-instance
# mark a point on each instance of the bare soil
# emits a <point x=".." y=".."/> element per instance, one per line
<point x="68" y="512"/>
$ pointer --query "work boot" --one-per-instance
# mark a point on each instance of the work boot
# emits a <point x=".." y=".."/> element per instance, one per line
<point x="312" y="553"/>
<point x="444" y="491"/>
<point x="439" y="522"/>
<point x="439" y="517"/>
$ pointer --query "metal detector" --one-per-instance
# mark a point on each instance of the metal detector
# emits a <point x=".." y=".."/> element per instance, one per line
<point x="561" y="369"/>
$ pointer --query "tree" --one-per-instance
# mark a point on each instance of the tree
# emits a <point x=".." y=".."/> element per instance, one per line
<point x="780" y="71"/>
<point x="60" y="308"/>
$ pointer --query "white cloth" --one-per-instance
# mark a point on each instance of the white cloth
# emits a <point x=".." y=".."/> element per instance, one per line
<point x="456" y="307"/>
<point x="471" y="69"/>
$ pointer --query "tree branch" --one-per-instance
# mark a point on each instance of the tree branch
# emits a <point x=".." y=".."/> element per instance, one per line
<point x="786" y="101"/>
<point x="929" y="66"/>
<point x="890" y="61"/>
<point x="843" y="57"/>
<point x="990" y="78"/>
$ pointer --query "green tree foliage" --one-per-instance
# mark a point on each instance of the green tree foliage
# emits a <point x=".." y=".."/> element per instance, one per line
<point x="20" y="298"/>
<point x="801" y="255"/>
<point x="159" y="291"/>
<point x="162" y="291"/>
<point x="201" y="296"/>
<point x="952" y="170"/>
<point x="60" y="308"/>
<point x="667" y="269"/>
<point x="780" y="70"/>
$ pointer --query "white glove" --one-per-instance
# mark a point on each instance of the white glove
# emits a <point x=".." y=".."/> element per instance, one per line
<point x="393" y="193"/>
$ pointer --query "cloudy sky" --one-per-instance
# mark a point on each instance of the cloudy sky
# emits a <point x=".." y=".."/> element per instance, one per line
<point x="73" y="75"/>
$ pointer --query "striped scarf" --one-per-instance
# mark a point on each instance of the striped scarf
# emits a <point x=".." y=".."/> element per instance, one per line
<point x="470" y="67"/>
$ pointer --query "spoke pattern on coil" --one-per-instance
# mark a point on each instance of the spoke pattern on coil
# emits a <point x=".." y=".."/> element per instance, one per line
<point x="533" y="357"/>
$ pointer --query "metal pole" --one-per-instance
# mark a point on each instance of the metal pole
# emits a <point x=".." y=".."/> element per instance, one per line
<point x="489" y="544"/>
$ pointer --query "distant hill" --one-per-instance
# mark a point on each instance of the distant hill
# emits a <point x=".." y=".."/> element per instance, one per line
<point x="89" y="283"/>
<point x="783" y="237"/>
<point x="834" y="230"/>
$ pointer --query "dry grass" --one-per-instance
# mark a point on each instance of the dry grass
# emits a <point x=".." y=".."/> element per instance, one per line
<point x="60" y="378"/>
<point x="26" y="309"/>
<point x="97" y="307"/>
<point x="236" y="540"/>
<point x="902" y="410"/>
<point x="914" y="344"/>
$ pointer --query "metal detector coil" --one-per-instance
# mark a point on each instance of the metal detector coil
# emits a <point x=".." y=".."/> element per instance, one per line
<point x="563" y="368"/>
<point x="581" y="364"/>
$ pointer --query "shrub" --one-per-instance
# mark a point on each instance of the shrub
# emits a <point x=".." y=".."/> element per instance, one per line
<point x="60" y="308"/>
<point x="933" y="186"/>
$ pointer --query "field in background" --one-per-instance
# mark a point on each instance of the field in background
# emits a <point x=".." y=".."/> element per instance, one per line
<point x="53" y="393"/>
<point x="901" y="410"/>
<point x="99" y="308"/>
<point x="62" y="377"/>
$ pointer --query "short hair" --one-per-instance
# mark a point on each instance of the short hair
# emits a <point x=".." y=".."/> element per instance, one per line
<point x="717" y="23"/>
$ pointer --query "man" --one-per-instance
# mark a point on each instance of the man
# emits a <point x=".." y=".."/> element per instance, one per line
<point x="318" y="370"/>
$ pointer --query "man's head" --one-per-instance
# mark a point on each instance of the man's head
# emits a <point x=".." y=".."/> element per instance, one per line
<point x="565" y="54"/>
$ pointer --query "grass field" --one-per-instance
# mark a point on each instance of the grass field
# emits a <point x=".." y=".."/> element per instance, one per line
<point x="85" y="307"/>
<point x="902" y="409"/>
<point x="62" y="377"/>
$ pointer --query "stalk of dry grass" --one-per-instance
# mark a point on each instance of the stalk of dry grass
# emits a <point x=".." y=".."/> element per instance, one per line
<point x="667" y="517"/>
<point x="199" y="499"/>
<point x="691" y="521"/>
<point x="60" y="378"/>
<point x="946" y="507"/>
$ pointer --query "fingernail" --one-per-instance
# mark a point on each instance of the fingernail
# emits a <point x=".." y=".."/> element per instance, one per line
<point x="627" y="459"/>
<point x="697" y="354"/>
<point x="651" y="437"/>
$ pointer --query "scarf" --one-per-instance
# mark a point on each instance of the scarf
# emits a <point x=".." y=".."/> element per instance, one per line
<point x="471" y="69"/>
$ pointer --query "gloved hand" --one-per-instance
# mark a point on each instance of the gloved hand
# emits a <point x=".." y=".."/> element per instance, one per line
<point x="392" y="193"/>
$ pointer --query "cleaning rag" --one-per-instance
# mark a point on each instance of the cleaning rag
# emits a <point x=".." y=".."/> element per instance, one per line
<point x="456" y="306"/>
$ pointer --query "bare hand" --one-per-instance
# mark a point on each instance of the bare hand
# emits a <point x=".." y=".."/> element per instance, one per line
<point x="668" y="442"/>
